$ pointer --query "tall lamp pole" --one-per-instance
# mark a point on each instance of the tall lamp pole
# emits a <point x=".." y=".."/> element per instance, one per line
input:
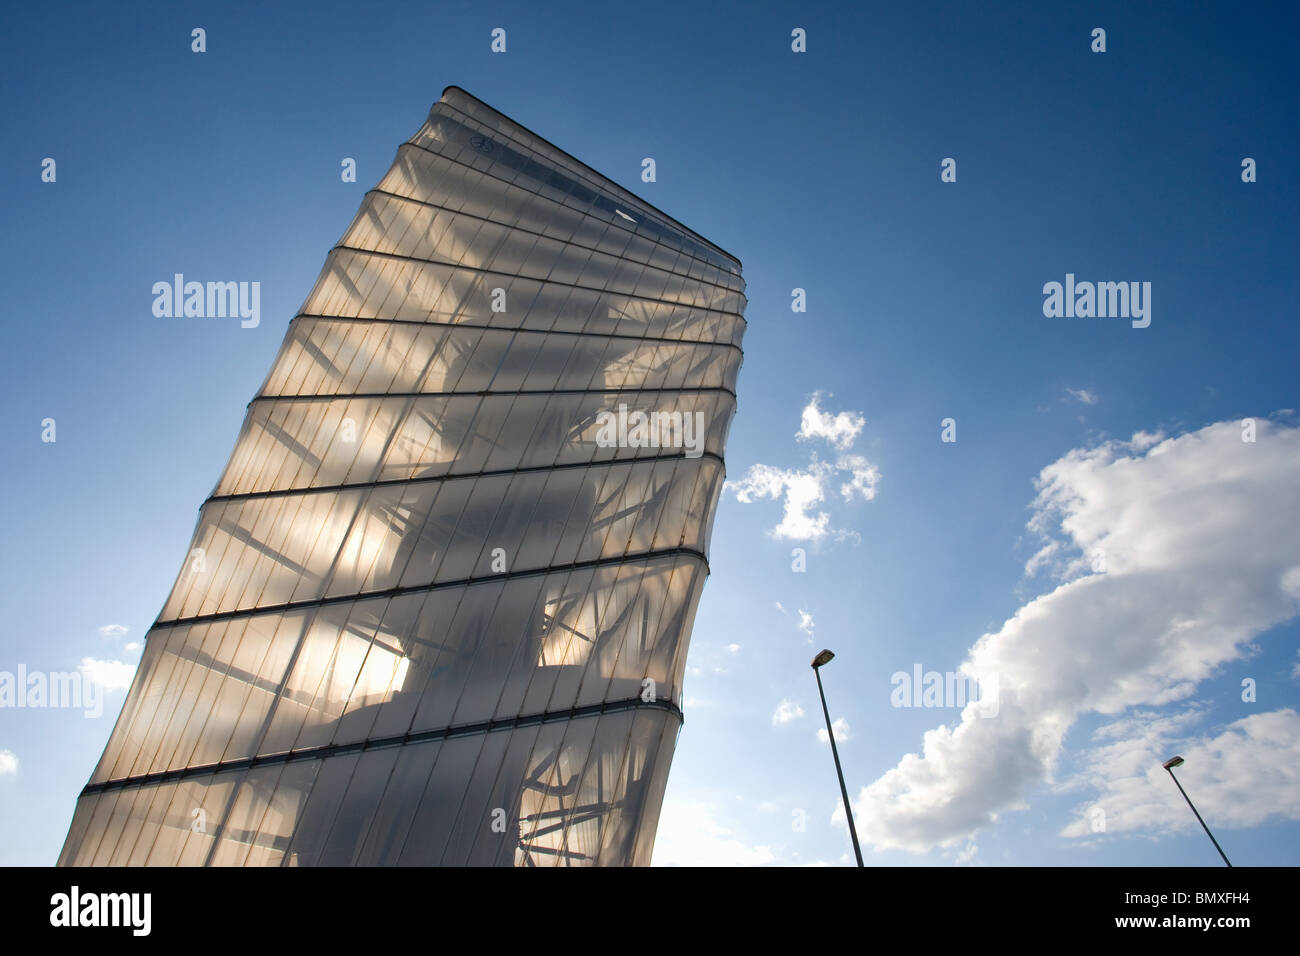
<point x="824" y="658"/>
<point x="1169" y="765"/>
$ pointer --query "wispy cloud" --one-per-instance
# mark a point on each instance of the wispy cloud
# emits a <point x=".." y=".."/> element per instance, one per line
<point x="109" y="675"/>
<point x="8" y="762"/>
<point x="786" y="711"/>
<point x="841" y="728"/>
<point x="806" y="623"/>
<point x="1082" y="395"/>
<point x="863" y="477"/>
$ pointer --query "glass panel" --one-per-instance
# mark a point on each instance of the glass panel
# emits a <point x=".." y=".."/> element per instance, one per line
<point x="389" y="556"/>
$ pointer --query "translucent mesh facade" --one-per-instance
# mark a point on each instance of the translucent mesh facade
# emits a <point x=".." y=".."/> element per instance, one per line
<point x="429" y="616"/>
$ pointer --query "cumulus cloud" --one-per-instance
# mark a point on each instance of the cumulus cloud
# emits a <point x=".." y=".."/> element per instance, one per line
<point x="841" y="728"/>
<point x="690" y="834"/>
<point x="1141" y="441"/>
<point x="108" y="675"/>
<point x="113" y="630"/>
<point x="1247" y="774"/>
<point x="786" y="711"/>
<point x="840" y="429"/>
<point x="1201" y="537"/>
<point x="803" y="491"/>
<point x="8" y="762"/>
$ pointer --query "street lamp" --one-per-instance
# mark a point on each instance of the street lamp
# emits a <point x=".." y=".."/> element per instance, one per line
<point x="825" y="658"/>
<point x="1169" y="765"/>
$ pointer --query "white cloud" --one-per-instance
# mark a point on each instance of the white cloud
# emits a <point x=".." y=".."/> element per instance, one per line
<point x="109" y="675"/>
<point x="840" y="429"/>
<point x="803" y="490"/>
<point x="1083" y="395"/>
<point x="841" y="728"/>
<point x="734" y="648"/>
<point x="113" y="630"/>
<point x="689" y="835"/>
<point x="966" y="855"/>
<point x="806" y="623"/>
<point x="786" y="711"/>
<point x="1141" y="441"/>
<point x="1246" y="775"/>
<point x="8" y="762"/>
<point x="1201" y="535"/>
<point x="863" y="477"/>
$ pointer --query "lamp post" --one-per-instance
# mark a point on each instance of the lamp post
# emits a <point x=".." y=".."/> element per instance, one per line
<point x="1169" y="765"/>
<point x="824" y="658"/>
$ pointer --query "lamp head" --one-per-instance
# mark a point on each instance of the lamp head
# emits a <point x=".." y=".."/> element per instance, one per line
<point x="823" y="658"/>
<point x="1172" y="762"/>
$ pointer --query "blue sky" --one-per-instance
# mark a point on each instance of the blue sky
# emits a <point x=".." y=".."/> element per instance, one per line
<point x="821" y="171"/>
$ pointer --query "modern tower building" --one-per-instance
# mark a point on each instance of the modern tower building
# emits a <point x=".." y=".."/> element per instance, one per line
<point x="436" y="610"/>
